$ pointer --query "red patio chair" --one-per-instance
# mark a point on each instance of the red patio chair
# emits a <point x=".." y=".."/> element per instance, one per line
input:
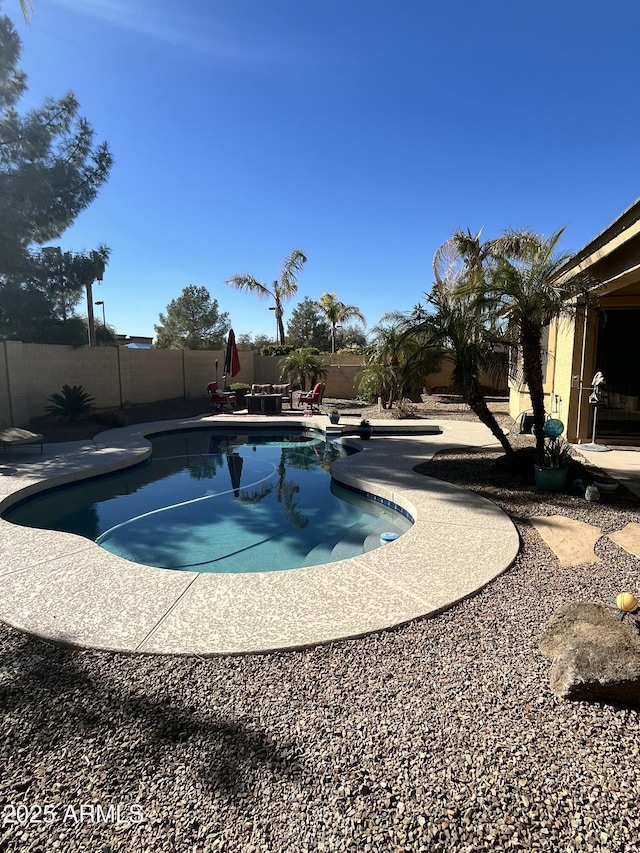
<point x="220" y="401"/>
<point x="313" y="398"/>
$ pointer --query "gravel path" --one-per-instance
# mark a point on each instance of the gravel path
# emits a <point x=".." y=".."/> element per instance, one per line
<point x="439" y="736"/>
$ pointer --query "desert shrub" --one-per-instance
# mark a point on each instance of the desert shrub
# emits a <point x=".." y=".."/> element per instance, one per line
<point x="71" y="404"/>
<point x="404" y="409"/>
<point x="111" y="419"/>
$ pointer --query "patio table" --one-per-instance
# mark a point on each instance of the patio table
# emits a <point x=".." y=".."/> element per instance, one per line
<point x="264" y="404"/>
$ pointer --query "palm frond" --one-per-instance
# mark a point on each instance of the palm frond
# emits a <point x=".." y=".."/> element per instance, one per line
<point x="27" y="9"/>
<point x="287" y="284"/>
<point x="249" y="283"/>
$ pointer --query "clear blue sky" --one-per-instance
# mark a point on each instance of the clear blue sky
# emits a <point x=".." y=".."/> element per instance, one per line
<point x="361" y="131"/>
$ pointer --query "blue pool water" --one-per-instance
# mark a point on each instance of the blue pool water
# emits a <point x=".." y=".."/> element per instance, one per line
<point x="212" y="501"/>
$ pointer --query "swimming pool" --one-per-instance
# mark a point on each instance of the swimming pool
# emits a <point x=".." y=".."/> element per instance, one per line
<point x="221" y="501"/>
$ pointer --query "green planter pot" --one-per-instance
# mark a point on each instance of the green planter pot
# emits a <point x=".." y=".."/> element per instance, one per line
<point x="334" y="418"/>
<point x="550" y="479"/>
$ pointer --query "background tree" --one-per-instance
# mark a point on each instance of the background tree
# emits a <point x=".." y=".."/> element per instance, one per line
<point x="192" y="321"/>
<point x="307" y="328"/>
<point x="50" y="170"/>
<point x="261" y="341"/>
<point x="247" y="341"/>
<point x="337" y="312"/>
<point x="282" y="289"/>
<point x="352" y="337"/>
<point x="50" y="167"/>
<point x="38" y="305"/>
<point x="106" y="336"/>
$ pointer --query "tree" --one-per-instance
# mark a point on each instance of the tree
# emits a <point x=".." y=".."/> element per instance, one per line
<point x="50" y="171"/>
<point x="50" y="167"/>
<point x="353" y="337"/>
<point x="385" y="374"/>
<point x="463" y="259"/>
<point x="193" y="321"/>
<point x="306" y="328"/>
<point x="302" y="364"/>
<point x="38" y="305"/>
<point x="283" y="288"/>
<point x="458" y="329"/>
<point x="337" y="312"/>
<point x="527" y="293"/>
<point x="475" y="270"/>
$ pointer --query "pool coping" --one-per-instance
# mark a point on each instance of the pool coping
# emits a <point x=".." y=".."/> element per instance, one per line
<point x="67" y="590"/>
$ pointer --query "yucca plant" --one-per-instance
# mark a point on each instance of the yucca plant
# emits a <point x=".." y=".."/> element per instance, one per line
<point x="73" y="402"/>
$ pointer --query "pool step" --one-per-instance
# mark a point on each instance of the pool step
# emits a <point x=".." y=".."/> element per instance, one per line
<point x="342" y="548"/>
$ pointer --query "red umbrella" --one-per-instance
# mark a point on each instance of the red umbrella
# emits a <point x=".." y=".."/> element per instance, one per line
<point x="231" y="358"/>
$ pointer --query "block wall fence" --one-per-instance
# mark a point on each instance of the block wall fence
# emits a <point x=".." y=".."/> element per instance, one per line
<point x="118" y="376"/>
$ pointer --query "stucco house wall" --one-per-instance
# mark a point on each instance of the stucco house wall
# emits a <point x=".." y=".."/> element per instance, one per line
<point x="612" y="258"/>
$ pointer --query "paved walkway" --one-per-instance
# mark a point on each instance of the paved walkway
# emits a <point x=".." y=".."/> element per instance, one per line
<point x="573" y="541"/>
<point x="67" y="589"/>
<point x="622" y="465"/>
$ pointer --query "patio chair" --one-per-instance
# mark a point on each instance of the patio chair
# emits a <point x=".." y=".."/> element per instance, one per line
<point x="221" y="402"/>
<point x="313" y="398"/>
<point x="12" y="436"/>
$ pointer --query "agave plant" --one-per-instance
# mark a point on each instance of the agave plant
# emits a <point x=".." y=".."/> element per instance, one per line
<point x="73" y="402"/>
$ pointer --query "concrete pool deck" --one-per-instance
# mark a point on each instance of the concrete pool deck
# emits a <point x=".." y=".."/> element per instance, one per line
<point x="66" y="589"/>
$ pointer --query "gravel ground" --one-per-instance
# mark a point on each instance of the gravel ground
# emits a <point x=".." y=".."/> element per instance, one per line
<point x="439" y="736"/>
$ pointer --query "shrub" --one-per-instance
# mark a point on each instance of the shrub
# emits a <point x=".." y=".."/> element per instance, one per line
<point x="276" y="349"/>
<point x="404" y="409"/>
<point x="111" y="419"/>
<point x="240" y="389"/>
<point x="73" y="402"/>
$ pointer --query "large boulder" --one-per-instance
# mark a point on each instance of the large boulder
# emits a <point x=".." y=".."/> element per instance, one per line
<point x="595" y="652"/>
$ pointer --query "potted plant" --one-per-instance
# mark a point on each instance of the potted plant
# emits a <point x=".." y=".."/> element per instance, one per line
<point x="334" y="416"/>
<point x="553" y="463"/>
<point x="364" y="430"/>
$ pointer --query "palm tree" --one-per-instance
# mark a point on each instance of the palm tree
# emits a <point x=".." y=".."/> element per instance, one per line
<point x="527" y="294"/>
<point x="460" y="332"/>
<point x="386" y="373"/>
<point x="27" y="9"/>
<point x="464" y="258"/>
<point x="303" y="363"/>
<point x="337" y="312"/>
<point x="283" y="288"/>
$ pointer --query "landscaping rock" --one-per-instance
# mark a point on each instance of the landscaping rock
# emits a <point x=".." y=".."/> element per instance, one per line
<point x="595" y="652"/>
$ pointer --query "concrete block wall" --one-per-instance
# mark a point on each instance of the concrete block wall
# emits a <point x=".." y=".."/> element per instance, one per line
<point x="341" y="381"/>
<point x="200" y="369"/>
<point x="150" y="375"/>
<point x="14" y="405"/>
<point x="116" y="376"/>
<point x="49" y="367"/>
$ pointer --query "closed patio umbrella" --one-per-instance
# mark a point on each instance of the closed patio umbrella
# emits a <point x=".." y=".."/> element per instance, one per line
<point x="231" y="357"/>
